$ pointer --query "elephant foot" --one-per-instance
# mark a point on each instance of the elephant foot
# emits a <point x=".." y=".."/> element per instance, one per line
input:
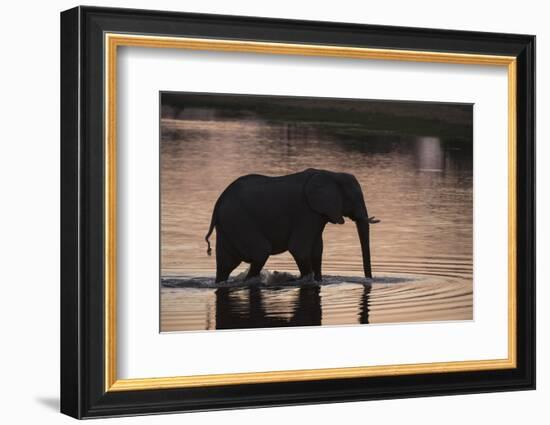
<point x="308" y="278"/>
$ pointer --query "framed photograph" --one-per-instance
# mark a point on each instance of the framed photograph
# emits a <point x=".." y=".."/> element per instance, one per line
<point x="261" y="212"/>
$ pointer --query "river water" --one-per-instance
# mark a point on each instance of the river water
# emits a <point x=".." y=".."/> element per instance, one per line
<point x="419" y="187"/>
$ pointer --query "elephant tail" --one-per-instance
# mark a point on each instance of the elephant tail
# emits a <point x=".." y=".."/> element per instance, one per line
<point x="210" y="230"/>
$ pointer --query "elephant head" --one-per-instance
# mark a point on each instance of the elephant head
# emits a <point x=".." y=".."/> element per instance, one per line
<point x="339" y="195"/>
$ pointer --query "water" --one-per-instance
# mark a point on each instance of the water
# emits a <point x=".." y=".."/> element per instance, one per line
<point x="420" y="187"/>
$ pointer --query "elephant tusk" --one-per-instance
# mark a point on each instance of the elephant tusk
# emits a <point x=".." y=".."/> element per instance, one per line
<point x="373" y="220"/>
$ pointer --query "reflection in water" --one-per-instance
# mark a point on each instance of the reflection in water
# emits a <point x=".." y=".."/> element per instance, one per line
<point x="420" y="187"/>
<point x="417" y="298"/>
<point x="250" y="308"/>
<point x="364" y="310"/>
<point x="430" y="154"/>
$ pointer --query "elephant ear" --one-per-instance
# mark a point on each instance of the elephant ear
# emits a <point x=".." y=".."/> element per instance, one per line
<point x="324" y="197"/>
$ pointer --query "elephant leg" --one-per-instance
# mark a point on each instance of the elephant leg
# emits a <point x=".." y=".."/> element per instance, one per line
<point x="304" y="265"/>
<point x="224" y="270"/>
<point x="301" y="246"/>
<point x="317" y="258"/>
<point x="226" y="260"/>
<point x="255" y="268"/>
<point x="303" y="261"/>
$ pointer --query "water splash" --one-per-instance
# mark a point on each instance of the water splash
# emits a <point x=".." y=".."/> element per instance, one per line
<point x="275" y="279"/>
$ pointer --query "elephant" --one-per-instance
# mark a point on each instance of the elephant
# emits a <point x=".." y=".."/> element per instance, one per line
<point x="257" y="216"/>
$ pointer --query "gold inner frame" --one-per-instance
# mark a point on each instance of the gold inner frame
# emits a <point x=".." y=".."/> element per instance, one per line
<point x="113" y="41"/>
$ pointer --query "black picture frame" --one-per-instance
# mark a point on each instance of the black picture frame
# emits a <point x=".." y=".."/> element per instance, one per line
<point x="83" y="392"/>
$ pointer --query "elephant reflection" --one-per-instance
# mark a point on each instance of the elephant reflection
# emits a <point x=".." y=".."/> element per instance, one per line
<point x="364" y="305"/>
<point x="251" y="308"/>
<point x="247" y="308"/>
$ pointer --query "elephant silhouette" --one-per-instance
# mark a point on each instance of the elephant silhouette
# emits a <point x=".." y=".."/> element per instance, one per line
<point x="257" y="216"/>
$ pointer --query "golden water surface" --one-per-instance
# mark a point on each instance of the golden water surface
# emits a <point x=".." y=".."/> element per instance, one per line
<point x="419" y="187"/>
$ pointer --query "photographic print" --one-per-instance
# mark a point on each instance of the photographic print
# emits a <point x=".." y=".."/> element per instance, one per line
<point x="302" y="211"/>
<point x="325" y="213"/>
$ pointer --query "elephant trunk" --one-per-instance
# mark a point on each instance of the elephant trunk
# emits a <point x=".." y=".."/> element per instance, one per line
<point x="363" y="231"/>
